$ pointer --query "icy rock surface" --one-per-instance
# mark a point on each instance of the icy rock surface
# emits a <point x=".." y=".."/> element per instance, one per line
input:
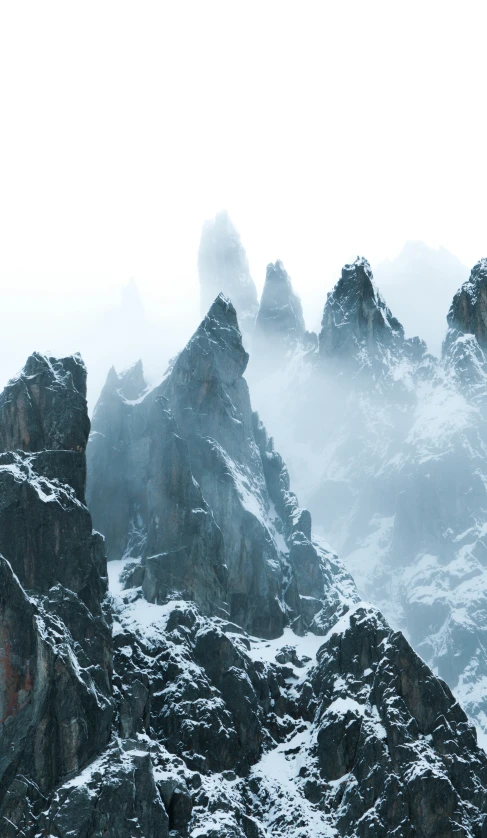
<point x="220" y="733"/>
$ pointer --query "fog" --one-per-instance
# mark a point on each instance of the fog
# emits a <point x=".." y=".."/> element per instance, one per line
<point x="108" y="323"/>
<point x="114" y="321"/>
<point x="125" y="129"/>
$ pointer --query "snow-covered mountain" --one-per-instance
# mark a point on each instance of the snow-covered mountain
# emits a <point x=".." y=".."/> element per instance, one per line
<point x="387" y="446"/>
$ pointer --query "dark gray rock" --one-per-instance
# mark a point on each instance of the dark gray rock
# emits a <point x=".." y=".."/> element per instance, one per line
<point x="468" y="311"/>
<point x="118" y="798"/>
<point x="356" y="316"/>
<point x="44" y="408"/>
<point x="55" y="684"/>
<point x="46" y="531"/>
<point x="358" y="329"/>
<point x="380" y="733"/>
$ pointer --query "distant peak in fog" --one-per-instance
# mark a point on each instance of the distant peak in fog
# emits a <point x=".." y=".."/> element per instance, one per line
<point x="131" y="301"/>
<point x="280" y="311"/>
<point x="418" y="252"/>
<point x="223" y="267"/>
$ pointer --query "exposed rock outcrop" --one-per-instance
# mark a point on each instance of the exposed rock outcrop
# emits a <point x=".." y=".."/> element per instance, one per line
<point x="55" y="684"/>
<point x="358" y="328"/>
<point x="44" y="408"/>
<point x="468" y="311"/>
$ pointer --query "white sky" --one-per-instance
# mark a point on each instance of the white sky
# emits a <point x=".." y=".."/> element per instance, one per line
<point x="326" y="129"/>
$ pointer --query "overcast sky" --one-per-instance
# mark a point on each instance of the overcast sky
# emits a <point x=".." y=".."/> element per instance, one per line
<point x="327" y="129"/>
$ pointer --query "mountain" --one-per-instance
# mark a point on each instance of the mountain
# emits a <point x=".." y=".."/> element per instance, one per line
<point x="419" y="285"/>
<point x="231" y="682"/>
<point x="358" y="328"/>
<point x="231" y="501"/>
<point x="387" y="447"/>
<point x="279" y="327"/>
<point x="223" y="267"/>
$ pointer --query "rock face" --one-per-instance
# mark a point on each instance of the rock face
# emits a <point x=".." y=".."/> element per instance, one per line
<point x="357" y="327"/>
<point x="45" y="407"/>
<point x="280" y="317"/>
<point x="320" y="722"/>
<point x="55" y="648"/>
<point x="468" y="311"/>
<point x="214" y="482"/>
<point x="223" y="267"/>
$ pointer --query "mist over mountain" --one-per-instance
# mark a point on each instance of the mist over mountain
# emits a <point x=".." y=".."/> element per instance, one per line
<point x="419" y="285"/>
<point x="115" y="326"/>
<point x="386" y="444"/>
<point x="223" y="267"/>
<point x="120" y="336"/>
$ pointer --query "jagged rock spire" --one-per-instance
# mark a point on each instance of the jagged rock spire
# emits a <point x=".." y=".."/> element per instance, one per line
<point x="55" y="647"/>
<point x="216" y="347"/>
<point x="355" y="315"/>
<point x="280" y="312"/>
<point x="223" y="267"/>
<point x="216" y="494"/>
<point x="468" y="311"/>
<point x="45" y="406"/>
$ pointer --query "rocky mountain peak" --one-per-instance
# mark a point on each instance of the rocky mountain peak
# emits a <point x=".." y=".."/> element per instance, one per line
<point x="468" y="311"/>
<point x="356" y="317"/>
<point x="55" y="648"/>
<point x="132" y="382"/>
<point x="223" y="266"/>
<point x="44" y="407"/>
<point x="280" y="315"/>
<point x="215" y="351"/>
